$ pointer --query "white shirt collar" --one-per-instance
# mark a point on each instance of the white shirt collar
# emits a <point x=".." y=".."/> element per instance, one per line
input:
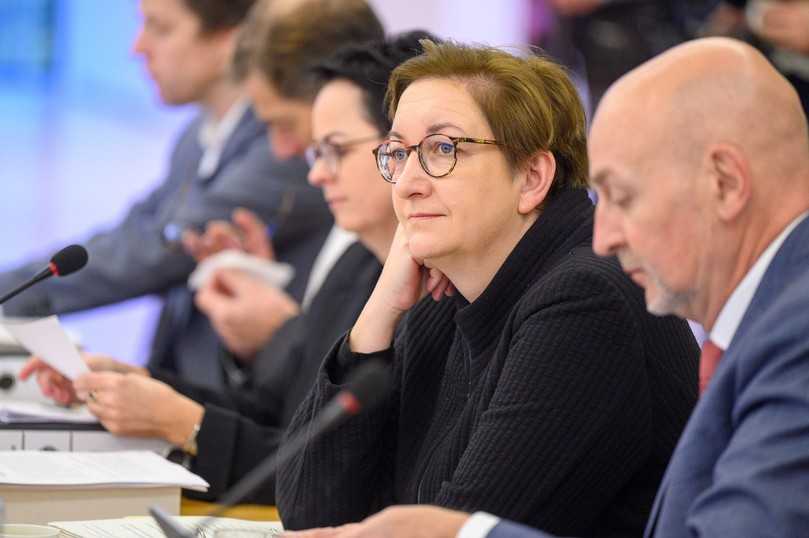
<point x="336" y="243"/>
<point x="213" y="135"/>
<point x="733" y="311"/>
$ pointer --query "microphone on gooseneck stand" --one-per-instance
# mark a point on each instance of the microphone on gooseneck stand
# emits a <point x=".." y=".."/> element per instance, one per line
<point x="366" y="387"/>
<point x="66" y="261"/>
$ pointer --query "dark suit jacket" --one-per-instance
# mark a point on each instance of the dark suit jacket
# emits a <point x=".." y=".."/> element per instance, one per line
<point x="242" y="428"/>
<point x="741" y="467"/>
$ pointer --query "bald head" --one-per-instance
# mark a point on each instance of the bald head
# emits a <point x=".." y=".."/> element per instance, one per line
<point x="714" y="91"/>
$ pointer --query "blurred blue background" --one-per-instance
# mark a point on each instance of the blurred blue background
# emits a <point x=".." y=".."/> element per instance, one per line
<point x="82" y="136"/>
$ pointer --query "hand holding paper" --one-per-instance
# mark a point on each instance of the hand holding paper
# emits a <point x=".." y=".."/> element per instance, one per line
<point x="244" y="311"/>
<point x="272" y="273"/>
<point x="59" y="388"/>
<point x="47" y="339"/>
<point x="13" y="412"/>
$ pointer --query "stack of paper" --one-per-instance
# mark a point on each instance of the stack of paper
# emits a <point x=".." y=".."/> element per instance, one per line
<point x="78" y="470"/>
<point x="145" y="527"/>
<point x="44" y="486"/>
<point x="8" y="345"/>
<point x="12" y="412"/>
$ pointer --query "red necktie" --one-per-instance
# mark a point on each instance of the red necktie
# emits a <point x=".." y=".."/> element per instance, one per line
<point x="708" y="361"/>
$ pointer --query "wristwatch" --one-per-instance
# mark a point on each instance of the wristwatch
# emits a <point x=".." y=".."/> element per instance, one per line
<point x="190" y="445"/>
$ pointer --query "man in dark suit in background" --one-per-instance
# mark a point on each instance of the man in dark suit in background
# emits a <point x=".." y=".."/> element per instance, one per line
<point x="220" y="162"/>
<point x="700" y="161"/>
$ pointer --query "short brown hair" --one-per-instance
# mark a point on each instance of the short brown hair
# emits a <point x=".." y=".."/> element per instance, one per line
<point x="530" y="103"/>
<point x="215" y="15"/>
<point x="283" y="42"/>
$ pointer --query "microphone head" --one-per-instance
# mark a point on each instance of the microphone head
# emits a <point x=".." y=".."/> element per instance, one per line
<point x="368" y="383"/>
<point x="68" y="260"/>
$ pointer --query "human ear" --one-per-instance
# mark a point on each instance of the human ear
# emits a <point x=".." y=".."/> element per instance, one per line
<point x="536" y="181"/>
<point x="730" y="180"/>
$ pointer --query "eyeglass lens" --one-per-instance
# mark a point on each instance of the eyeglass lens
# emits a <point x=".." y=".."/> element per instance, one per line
<point x="436" y="155"/>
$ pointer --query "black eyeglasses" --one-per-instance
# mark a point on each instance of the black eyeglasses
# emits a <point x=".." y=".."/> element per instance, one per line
<point x="332" y="152"/>
<point x="438" y="155"/>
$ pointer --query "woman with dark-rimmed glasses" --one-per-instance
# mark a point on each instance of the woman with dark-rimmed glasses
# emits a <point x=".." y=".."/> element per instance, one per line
<point x="533" y="383"/>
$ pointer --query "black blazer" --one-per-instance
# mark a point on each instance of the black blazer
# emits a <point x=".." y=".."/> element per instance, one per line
<point x="554" y="399"/>
<point x="241" y="428"/>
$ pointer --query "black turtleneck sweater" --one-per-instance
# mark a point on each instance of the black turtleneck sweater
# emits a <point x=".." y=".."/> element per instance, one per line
<point x="554" y="399"/>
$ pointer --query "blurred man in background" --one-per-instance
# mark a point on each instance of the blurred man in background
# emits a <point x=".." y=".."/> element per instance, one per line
<point x="282" y="41"/>
<point x="222" y="160"/>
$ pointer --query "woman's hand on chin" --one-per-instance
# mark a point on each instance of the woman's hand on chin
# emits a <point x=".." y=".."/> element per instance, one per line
<point x="405" y="280"/>
<point x="436" y="283"/>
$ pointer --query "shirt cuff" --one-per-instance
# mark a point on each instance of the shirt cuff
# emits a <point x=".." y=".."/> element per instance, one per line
<point x="478" y="526"/>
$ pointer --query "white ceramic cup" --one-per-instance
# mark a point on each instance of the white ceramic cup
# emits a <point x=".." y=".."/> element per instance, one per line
<point x="12" y="530"/>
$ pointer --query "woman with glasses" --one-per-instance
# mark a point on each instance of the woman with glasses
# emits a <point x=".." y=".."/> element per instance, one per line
<point x="532" y="382"/>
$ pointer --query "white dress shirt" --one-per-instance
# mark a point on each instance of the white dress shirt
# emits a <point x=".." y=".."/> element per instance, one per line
<point x="478" y="526"/>
<point x="481" y="523"/>
<point x="336" y="243"/>
<point x="735" y="307"/>
<point x="213" y="135"/>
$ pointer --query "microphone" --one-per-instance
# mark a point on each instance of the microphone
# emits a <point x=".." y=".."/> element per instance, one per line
<point x="365" y="388"/>
<point x="66" y="261"/>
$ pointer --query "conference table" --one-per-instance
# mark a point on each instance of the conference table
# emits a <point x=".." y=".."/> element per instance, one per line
<point x="252" y="512"/>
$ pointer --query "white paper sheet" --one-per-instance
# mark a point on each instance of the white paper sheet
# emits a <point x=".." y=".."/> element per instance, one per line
<point x="93" y="469"/>
<point x="8" y="345"/>
<point x="271" y="273"/>
<point x="47" y="339"/>
<point x="20" y="411"/>
<point x="145" y="527"/>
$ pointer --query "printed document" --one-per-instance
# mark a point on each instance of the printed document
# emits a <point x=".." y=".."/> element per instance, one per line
<point x="47" y="339"/>
<point x="54" y="470"/>
<point x="8" y="345"/>
<point x="15" y="411"/>
<point x="145" y="527"/>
